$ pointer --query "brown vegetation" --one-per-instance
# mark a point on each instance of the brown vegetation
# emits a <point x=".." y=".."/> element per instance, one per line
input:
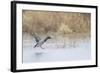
<point x="51" y="22"/>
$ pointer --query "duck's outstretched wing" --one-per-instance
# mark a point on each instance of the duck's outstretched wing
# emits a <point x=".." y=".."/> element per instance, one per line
<point x="37" y="38"/>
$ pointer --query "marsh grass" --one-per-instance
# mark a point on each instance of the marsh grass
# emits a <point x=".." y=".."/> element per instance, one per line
<point x="56" y="23"/>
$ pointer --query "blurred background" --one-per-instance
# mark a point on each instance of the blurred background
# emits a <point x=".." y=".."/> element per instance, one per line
<point x="56" y="23"/>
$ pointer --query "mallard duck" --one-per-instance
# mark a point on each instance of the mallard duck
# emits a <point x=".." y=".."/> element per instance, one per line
<point x="40" y="42"/>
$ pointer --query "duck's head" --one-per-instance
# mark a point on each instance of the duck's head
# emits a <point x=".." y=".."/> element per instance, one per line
<point x="48" y="37"/>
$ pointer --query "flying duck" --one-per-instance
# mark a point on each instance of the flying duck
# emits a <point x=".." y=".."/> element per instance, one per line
<point x="40" y="42"/>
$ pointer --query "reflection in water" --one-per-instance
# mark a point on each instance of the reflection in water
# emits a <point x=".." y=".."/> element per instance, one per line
<point x="38" y="56"/>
